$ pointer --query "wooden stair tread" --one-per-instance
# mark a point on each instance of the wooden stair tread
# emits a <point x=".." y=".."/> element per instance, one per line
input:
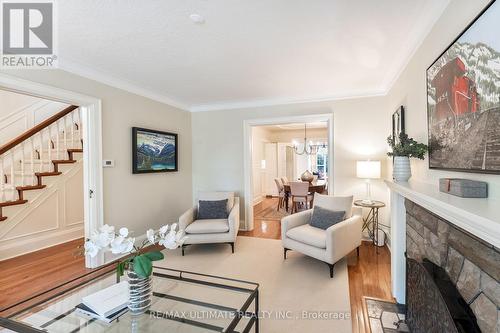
<point x="75" y="150"/>
<point x="47" y="174"/>
<point x="30" y="187"/>
<point x="63" y="161"/>
<point x="12" y="203"/>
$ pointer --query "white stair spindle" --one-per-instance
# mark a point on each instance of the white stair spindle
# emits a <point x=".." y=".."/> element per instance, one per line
<point x="40" y="153"/>
<point x="32" y="153"/>
<point x="22" y="162"/>
<point x="50" y="148"/>
<point x="72" y="115"/>
<point x="57" y="140"/>
<point x="2" y="180"/>
<point x="79" y="121"/>
<point x="65" y="137"/>
<point x="12" y="174"/>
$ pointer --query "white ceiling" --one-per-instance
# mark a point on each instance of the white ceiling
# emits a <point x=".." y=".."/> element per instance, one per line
<point x="248" y="52"/>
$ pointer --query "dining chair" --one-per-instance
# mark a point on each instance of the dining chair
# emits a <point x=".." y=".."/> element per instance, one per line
<point x="281" y="193"/>
<point x="300" y="195"/>
<point x="284" y="180"/>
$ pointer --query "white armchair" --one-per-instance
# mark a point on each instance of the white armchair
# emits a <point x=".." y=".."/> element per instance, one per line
<point x="212" y="230"/>
<point x="328" y="245"/>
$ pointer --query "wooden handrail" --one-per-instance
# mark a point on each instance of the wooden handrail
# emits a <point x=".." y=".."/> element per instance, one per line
<point x="29" y="133"/>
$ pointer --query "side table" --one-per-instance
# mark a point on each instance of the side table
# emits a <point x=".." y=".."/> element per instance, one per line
<point x="371" y="220"/>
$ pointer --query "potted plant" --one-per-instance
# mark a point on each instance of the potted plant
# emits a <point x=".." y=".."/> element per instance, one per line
<point x="402" y="150"/>
<point x="138" y="262"/>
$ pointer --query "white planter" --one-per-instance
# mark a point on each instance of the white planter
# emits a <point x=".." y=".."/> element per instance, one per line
<point x="402" y="170"/>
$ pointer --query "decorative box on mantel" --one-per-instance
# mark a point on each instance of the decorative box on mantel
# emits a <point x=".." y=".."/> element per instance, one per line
<point x="464" y="188"/>
<point x="480" y="218"/>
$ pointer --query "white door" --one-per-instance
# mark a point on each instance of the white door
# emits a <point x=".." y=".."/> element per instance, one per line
<point x="271" y="154"/>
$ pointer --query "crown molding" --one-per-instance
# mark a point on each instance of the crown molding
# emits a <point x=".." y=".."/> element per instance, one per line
<point x="284" y="101"/>
<point x="116" y="82"/>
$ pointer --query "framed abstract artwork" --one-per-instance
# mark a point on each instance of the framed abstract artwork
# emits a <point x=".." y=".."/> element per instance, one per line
<point x="463" y="99"/>
<point x="153" y="151"/>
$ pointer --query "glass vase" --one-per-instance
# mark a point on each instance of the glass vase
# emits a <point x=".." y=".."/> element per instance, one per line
<point x="140" y="292"/>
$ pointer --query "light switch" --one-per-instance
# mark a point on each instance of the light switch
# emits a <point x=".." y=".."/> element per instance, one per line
<point x="108" y="164"/>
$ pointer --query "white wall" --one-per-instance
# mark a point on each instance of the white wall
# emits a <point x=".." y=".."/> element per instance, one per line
<point x="11" y="101"/>
<point x="136" y="201"/>
<point x="410" y="88"/>
<point x="19" y="113"/>
<point x="53" y="215"/>
<point x="360" y="130"/>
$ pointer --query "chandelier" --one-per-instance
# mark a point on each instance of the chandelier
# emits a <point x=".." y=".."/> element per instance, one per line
<point x="308" y="149"/>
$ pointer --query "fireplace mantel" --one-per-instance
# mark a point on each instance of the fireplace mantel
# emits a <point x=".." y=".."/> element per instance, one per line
<point x="480" y="217"/>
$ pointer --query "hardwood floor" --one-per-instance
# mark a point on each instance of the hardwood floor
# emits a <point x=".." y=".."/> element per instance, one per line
<point x="369" y="275"/>
<point x="266" y="220"/>
<point x="34" y="273"/>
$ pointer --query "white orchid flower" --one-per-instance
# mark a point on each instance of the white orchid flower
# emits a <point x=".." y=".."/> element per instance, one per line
<point x="171" y="240"/>
<point x="180" y="237"/>
<point x="163" y="231"/>
<point x="91" y="248"/>
<point x="107" y="229"/>
<point x="104" y="239"/>
<point x="124" y="232"/>
<point x="150" y="234"/>
<point x="118" y="245"/>
<point x="128" y="245"/>
<point x="173" y="227"/>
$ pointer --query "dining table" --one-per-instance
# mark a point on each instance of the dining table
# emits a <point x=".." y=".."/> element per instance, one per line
<point x="317" y="186"/>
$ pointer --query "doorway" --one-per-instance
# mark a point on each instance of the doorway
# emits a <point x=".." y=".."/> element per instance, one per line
<point x="274" y="151"/>
<point x="90" y="109"/>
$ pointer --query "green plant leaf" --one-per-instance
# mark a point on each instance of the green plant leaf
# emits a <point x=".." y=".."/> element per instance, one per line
<point x="120" y="268"/>
<point x="143" y="266"/>
<point x="154" y="255"/>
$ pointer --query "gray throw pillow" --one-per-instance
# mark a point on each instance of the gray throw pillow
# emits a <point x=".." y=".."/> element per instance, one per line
<point x="324" y="218"/>
<point x="212" y="209"/>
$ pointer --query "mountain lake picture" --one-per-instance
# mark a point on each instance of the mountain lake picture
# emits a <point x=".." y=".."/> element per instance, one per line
<point x="154" y="151"/>
<point x="463" y="98"/>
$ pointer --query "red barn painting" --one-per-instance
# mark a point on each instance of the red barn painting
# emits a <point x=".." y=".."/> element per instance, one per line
<point x="456" y="94"/>
<point x="463" y="99"/>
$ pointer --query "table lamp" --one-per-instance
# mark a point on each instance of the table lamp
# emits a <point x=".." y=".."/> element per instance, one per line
<point x="368" y="170"/>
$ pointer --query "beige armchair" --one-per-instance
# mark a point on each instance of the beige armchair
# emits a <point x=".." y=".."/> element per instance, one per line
<point x="328" y="245"/>
<point x="213" y="230"/>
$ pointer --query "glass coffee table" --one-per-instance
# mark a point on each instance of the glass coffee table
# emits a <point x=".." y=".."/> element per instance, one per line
<point x="182" y="302"/>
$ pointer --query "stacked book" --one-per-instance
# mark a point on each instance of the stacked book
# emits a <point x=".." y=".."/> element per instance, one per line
<point x="107" y="304"/>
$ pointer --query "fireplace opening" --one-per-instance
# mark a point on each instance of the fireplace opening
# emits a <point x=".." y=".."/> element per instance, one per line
<point x="433" y="302"/>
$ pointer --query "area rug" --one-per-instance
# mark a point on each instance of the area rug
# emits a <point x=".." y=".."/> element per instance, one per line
<point x="300" y="286"/>
<point x="385" y="317"/>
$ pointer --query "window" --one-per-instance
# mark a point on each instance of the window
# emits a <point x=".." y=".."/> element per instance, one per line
<point x="322" y="162"/>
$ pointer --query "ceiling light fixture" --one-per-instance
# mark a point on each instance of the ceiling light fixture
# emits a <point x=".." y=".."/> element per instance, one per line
<point x="308" y="149"/>
<point x="197" y="18"/>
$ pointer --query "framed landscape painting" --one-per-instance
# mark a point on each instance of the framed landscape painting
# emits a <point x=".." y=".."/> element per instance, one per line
<point x="463" y="99"/>
<point x="153" y="151"/>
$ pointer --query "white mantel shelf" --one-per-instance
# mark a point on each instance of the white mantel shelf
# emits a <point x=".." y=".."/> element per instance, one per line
<point x="480" y="217"/>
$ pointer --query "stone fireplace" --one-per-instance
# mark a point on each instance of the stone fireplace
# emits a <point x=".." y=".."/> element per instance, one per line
<point x="472" y="264"/>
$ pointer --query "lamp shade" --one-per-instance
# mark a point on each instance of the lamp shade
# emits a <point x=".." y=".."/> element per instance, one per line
<point x="368" y="169"/>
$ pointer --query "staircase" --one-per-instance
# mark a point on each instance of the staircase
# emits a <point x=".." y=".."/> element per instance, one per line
<point x="37" y="154"/>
